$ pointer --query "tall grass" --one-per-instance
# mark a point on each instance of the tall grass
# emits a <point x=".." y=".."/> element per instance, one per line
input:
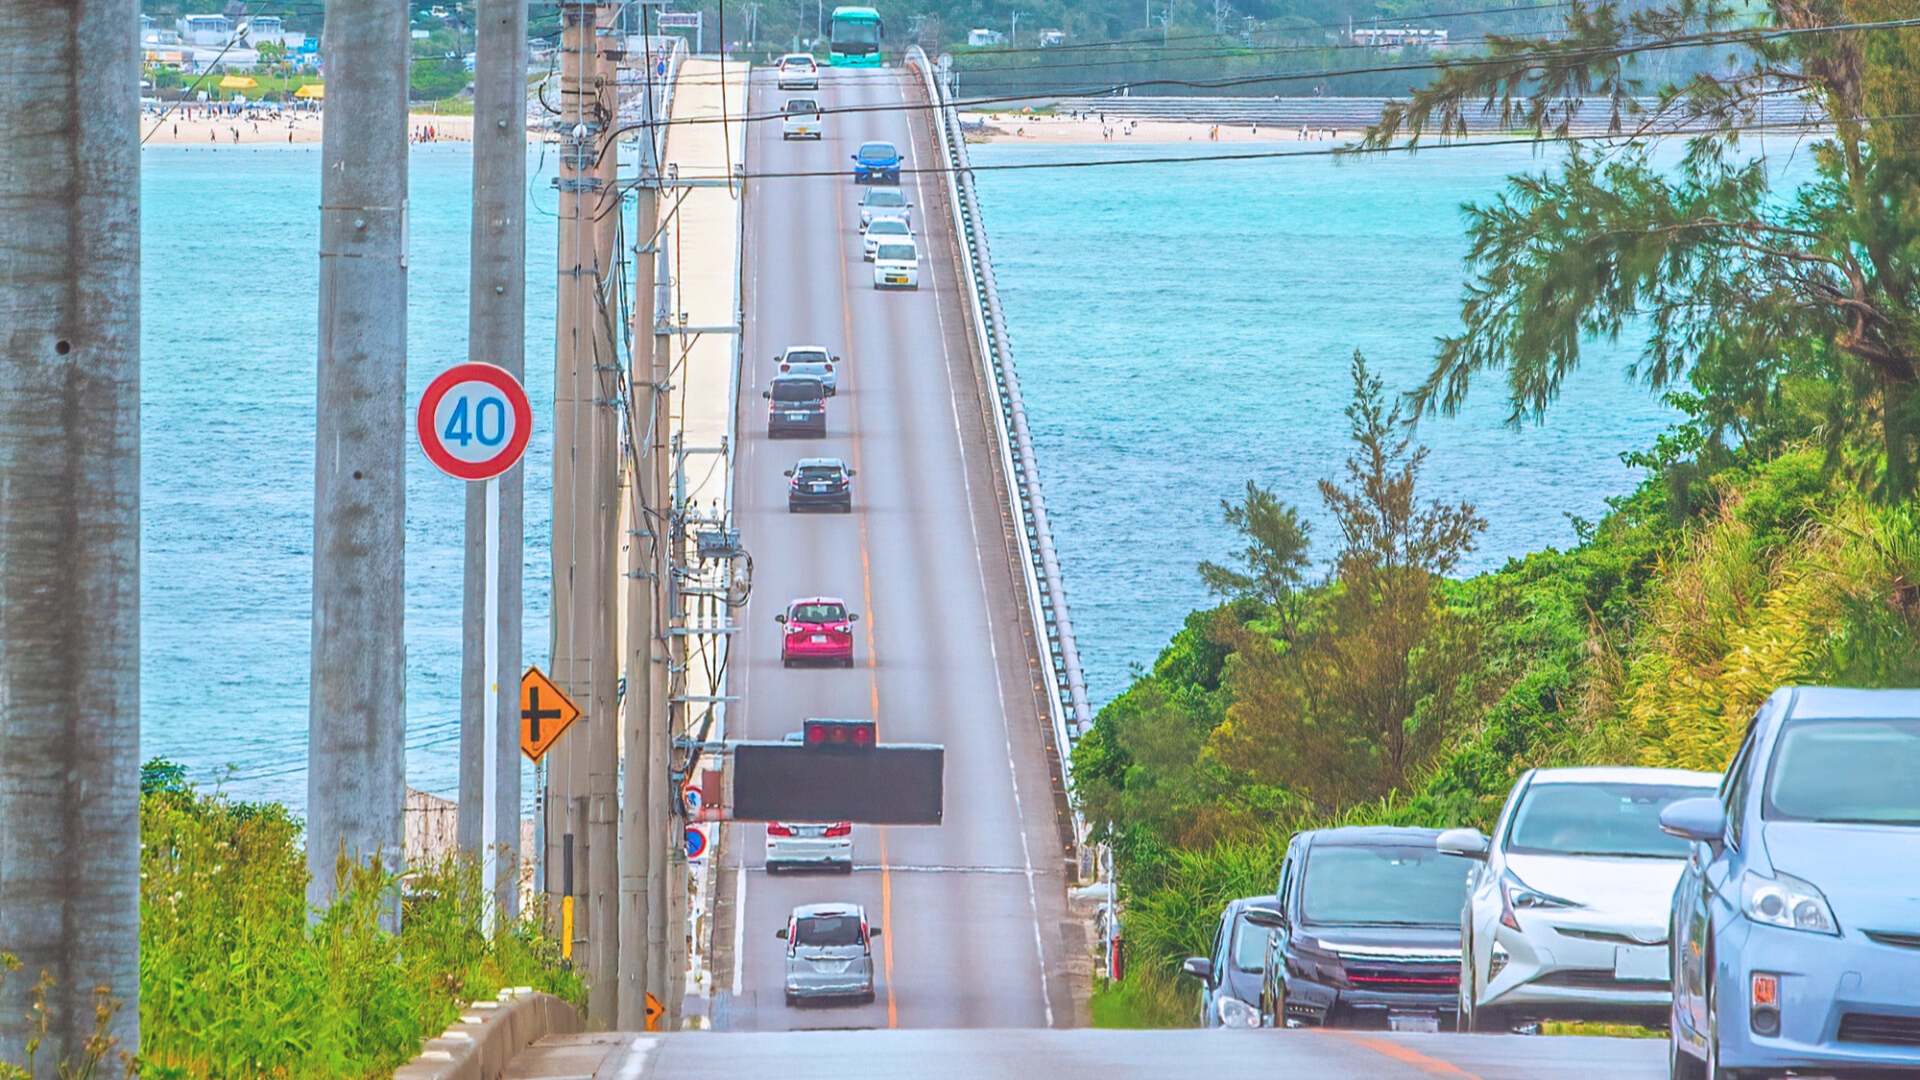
<point x="236" y="979"/>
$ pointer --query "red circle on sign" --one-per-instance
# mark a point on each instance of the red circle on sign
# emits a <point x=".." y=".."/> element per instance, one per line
<point x="435" y="439"/>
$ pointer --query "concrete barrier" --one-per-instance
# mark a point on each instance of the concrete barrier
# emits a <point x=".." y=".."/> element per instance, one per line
<point x="488" y="1035"/>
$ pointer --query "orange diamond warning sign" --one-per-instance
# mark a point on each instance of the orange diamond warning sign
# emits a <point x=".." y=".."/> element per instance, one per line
<point x="545" y="713"/>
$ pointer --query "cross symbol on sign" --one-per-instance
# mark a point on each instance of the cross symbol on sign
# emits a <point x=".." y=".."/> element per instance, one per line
<point x="545" y="713"/>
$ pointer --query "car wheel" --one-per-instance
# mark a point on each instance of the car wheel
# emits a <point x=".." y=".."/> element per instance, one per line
<point x="847" y="663"/>
<point x="866" y="998"/>
<point x="1682" y="1065"/>
<point x="1486" y="1020"/>
<point x="792" y="1001"/>
<point x="1463" y="1010"/>
<point x="784" y="662"/>
<point x="846" y="867"/>
<point x="1710" y="1069"/>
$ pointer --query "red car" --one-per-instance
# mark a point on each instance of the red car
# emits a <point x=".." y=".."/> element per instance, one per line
<point x="819" y="631"/>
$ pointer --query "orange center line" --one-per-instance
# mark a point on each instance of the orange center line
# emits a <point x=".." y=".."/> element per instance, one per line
<point x="866" y="598"/>
<point x="1405" y="1055"/>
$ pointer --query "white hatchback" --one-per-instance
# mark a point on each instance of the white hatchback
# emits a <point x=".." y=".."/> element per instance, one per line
<point x="897" y="266"/>
<point x="883" y="230"/>
<point x="800" y="119"/>
<point x="1567" y="914"/>
<point x="798" y="71"/>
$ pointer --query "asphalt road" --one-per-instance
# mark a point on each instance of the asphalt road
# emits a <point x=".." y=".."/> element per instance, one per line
<point x="1306" y="1054"/>
<point x="972" y="910"/>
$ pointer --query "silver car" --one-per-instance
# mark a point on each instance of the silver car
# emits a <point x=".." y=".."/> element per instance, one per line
<point x="829" y="953"/>
<point x="884" y="202"/>
<point x="799" y="845"/>
<point x="812" y="360"/>
<point x="889" y="230"/>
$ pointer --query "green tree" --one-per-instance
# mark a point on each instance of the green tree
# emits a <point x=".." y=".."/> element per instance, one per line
<point x="1274" y="561"/>
<point x="1799" y="313"/>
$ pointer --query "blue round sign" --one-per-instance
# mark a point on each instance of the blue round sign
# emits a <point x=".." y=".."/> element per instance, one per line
<point x="696" y="843"/>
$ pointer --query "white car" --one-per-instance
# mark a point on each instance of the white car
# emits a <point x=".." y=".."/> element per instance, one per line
<point x="792" y="845"/>
<point x="897" y="266"/>
<point x="884" y="202"/>
<point x="812" y="360"/>
<point x="798" y="71"/>
<point x="800" y="119"/>
<point x="1567" y="915"/>
<point x="883" y="230"/>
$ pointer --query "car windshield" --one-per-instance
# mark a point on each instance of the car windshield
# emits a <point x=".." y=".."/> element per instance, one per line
<point x="878" y="151"/>
<point x="895" y="253"/>
<point x="826" y="931"/>
<point x="1847" y="771"/>
<point x="802" y="106"/>
<point x="819" y="472"/>
<point x="888" y="227"/>
<point x="846" y="32"/>
<point x="1351" y="885"/>
<point x="806" y="356"/>
<point x="1620" y="820"/>
<point x="1249" y="947"/>
<point x="797" y="390"/>
<point x="798" y="63"/>
<point x="817" y="613"/>
<point x="883" y="197"/>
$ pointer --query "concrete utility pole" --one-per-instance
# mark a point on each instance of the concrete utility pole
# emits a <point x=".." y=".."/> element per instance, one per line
<point x="641" y="783"/>
<point x="664" y="979"/>
<point x="357" y="724"/>
<point x="496" y="334"/>
<point x="70" y="521"/>
<point x="583" y="806"/>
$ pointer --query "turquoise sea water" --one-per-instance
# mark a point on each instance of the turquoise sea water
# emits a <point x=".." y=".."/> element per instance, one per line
<point x="230" y="295"/>
<point x="1180" y="329"/>
<point x="1183" y="328"/>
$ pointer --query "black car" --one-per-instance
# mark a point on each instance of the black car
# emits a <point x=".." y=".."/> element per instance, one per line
<point x="1230" y="974"/>
<point x="820" y="483"/>
<point x="1366" y="932"/>
<point x="797" y="405"/>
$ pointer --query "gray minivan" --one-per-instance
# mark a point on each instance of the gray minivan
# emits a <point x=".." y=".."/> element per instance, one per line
<point x="829" y="953"/>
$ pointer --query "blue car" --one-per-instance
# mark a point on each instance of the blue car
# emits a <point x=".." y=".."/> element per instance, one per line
<point x="1796" y="925"/>
<point x="876" y="163"/>
<point x="1230" y="975"/>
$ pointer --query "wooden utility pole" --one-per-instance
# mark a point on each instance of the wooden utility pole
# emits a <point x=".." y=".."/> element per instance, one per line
<point x="70" y="522"/>
<point x="496" y="334"/>
<point x="582" y="806"/>
<point x="356" y="756"/>
<point x="663" y="886"/>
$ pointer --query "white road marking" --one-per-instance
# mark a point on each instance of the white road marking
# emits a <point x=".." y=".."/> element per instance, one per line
<point x="740" y="926"/>
<point x="986" y="597"/>
<point x="638" y="1053"/>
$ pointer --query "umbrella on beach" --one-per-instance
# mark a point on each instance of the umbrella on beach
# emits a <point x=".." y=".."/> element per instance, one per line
<point x="237" y="82"/>
<point x="312" y="91"/>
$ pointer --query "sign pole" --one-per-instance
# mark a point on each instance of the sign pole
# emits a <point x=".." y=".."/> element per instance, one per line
<point x="490" y="755"/>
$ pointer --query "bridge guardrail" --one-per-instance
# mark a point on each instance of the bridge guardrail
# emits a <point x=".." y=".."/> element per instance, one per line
<point x="1068" y="706"/>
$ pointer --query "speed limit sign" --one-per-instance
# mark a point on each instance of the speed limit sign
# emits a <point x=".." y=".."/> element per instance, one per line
<point x="474" y="421"/>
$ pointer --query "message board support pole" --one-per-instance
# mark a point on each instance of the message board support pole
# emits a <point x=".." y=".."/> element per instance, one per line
<point x="490" y="755"/>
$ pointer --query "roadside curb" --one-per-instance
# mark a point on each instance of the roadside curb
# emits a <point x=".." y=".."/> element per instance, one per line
<point x="487" y="1036"/>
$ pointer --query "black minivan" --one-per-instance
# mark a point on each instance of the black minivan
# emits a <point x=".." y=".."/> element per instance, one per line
<point x="1366" y="932"/>
<point x="796" y="405"/>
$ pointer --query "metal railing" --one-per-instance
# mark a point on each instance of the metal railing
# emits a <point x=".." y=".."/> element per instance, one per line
<point x="1046" y="594"/>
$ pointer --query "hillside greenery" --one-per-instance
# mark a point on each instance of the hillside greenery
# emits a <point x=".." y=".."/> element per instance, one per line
<point x="1774" y="541"/>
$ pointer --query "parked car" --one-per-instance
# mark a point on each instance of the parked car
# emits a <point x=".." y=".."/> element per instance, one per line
<point x="1230" y="973"/>
<point x="819" y="629"/>
<point x="884" y="202"/>
<point x="817" y="845"/>
<point x="812" y="360"/>
<point x="829" y="953"/>
<point x="798" y="71"/>
<point x="797" y="405"/>
<point x="800" y="119"/>
<point x="896" y="266"/>
<point x="820" y="483"/>
<point x="1796" y="925"/>
<point x="883" y="230"/>
<point x="876" y="162"/>
<point x="1366" y="932"/>
<point x="1567" y="903"/>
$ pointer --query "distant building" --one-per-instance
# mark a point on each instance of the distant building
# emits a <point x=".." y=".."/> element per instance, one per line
<point x="1052" y="38"/>
<point x="1398" y="37"/>
<point x="215" y="30"/>
<point x="983" y="38"/>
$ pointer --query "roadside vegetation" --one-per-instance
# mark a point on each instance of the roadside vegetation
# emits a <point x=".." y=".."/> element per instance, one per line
<point x="236" y="980"/>
<point x="1774" y="541"/>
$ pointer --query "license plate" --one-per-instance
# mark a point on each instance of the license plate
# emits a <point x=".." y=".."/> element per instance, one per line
<point x="1640" y="963"/>
<point x="796" y="416"/>
<point x="820" y="639"/>
<point x="1425" y="1023"/>
<point x="896" y="279"/>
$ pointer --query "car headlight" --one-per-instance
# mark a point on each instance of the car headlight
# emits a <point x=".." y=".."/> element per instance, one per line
<point x="1234" y="1013"/>
<point x="1516" y="895"/>
<point x="1787" y="902"/>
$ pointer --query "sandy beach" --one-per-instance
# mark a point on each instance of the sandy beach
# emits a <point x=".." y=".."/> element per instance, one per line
<point x="1019" y="127"/>
<point x="190" y="125"/>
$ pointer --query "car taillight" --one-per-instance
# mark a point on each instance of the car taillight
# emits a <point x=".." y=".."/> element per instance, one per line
<point x="786" y="367"/>
<point x="775" y="829"/>
<point x="840" y="628"/>
<point x="844" y="828"/>
<point x="829" y="368"/>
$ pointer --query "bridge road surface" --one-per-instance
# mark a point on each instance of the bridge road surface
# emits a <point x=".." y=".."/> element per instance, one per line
<point x="972" y="910"/>
<point x="1305" y="1054"/>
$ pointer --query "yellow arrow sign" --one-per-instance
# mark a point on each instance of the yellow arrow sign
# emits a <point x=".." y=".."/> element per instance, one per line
<point x="654" y="1011"/>
<point x="545" y="713"/>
